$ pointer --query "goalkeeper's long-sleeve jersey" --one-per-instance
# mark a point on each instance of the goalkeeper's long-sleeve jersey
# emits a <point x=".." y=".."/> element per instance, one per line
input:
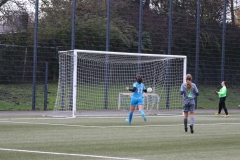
<point x="222" y="92"/>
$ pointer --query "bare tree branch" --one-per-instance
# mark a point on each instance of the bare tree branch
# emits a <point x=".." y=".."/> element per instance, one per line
<point x="2" y="2"/>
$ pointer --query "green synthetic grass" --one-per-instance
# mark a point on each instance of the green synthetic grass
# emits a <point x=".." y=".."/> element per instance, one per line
<point x="161" y="137"/>
<point x="208" y="100"/>
<point x="19" y="97"/>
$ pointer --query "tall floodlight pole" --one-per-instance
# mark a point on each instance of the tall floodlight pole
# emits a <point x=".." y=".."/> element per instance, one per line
<point x="223" y="40"/>
<point x="107" y="58"/>
<point x="73" y="24"/>
<point x="169" y="53"/>
<point x="197" y="46"/>
<point x="140" y="35"/>
<point x="35" y="55"/>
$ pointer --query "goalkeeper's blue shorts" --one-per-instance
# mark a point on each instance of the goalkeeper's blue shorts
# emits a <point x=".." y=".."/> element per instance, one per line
<point x="136" y="101"/>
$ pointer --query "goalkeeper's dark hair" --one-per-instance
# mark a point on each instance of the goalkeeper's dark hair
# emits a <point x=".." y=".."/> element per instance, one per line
<point x="225" y="83"/>
<point x="189" y="81"/>
<point x="139" y="79"/>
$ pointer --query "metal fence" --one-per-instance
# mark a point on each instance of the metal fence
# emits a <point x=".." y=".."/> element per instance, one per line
<point x="33" y="31"/>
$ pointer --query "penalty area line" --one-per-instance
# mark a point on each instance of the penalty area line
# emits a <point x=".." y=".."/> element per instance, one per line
<point x="66" y="154"/>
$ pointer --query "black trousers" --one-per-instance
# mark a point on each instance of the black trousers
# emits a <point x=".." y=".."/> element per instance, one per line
<point x="222" y="106"/>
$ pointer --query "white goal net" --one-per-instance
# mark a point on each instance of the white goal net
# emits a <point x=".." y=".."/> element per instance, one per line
<point x="95" y="81"/>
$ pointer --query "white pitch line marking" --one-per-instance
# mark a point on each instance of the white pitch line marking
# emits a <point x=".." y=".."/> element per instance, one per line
<point x="125" y="126"/>
<point x="65" y="154"/>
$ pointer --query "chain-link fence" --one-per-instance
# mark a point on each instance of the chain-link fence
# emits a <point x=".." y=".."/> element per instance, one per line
<point x="198" y="29"/>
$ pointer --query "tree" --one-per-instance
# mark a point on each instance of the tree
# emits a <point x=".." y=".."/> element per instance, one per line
<point x="55" y="25"/>
<point x="232" y="12"/>
<point x="237" y="19"/>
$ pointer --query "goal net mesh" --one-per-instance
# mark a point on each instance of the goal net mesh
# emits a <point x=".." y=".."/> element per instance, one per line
<point x="102" y="77"/>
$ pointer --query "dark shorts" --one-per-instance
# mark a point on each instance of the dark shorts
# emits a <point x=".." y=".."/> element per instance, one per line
<point x="188" y="105"/>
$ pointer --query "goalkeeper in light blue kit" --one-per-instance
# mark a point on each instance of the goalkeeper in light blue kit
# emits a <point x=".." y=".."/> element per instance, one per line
<point x="189" y="91"/>
<point x="137" y="98"/>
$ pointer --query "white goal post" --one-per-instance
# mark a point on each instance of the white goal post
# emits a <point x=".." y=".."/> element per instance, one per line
<point x="94" y="80"/>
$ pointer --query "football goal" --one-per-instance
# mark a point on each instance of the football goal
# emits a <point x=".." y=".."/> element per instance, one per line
<point x="95" y="81"/>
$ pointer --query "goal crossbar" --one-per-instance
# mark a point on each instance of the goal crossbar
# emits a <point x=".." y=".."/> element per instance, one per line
<point x="125" y="53"/>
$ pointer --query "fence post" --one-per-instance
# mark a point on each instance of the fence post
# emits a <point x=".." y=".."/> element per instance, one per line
<point x="140" y="35"/>
<point x="35" y="56"/>
<point x="223" y="40"/>
<point x="197" y="46"/>
<point x="107" y="58"/>
<point x="169" y="53"/>
<point x="46" y="86"/>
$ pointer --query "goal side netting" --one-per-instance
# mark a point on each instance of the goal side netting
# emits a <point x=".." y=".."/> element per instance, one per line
<point x="94" y="82"/>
